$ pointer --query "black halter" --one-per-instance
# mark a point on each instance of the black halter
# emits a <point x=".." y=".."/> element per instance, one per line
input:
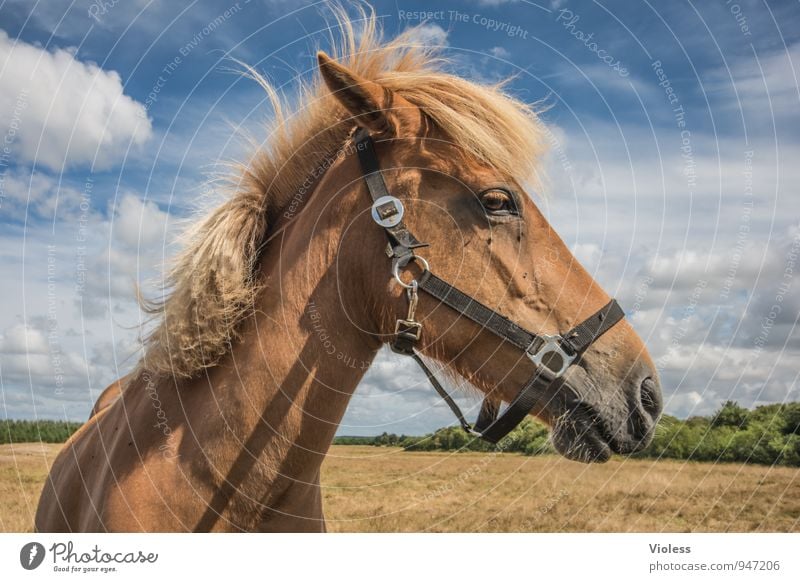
<point x="552" y="354"/>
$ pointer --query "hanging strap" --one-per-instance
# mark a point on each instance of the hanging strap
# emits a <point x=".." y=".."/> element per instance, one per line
<point x="489" y="426"/>
<point x="493" y="428"/>
<point x="443" y="393"/>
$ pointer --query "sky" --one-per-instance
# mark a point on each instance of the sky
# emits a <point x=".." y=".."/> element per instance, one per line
<point x="672" y="175"/>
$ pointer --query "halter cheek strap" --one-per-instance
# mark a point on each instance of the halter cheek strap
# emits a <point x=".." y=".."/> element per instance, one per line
<point x="552" y="354"/>
<point x="387" y="210"/>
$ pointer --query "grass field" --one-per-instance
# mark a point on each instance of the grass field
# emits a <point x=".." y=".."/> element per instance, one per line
<point x="376" y="489"/>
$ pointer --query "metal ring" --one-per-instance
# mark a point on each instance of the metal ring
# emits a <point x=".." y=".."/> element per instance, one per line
<point x="396" y="270"/>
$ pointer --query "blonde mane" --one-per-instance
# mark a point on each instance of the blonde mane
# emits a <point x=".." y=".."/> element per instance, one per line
<point x="212" y="282"/>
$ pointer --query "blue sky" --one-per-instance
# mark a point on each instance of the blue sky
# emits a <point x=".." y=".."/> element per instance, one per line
<point x="673" y="174"/>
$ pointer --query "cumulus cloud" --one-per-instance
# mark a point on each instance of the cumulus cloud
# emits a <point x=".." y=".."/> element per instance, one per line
<point x="20" y="339"/>
<point x="64" y="112"/>
<point x="499" y="52"/>
<point x="588" y="254"/>
<point x="55" y="358"/>
<point x="131" y="255"/>
<point x="699" y="270"/>
<point x="139" y="223"/>
<point x="763" y="88"/>
<point x="395" y="396"/>
<point x="430" y="34"/>
<point x="722" y="324"/>
<point x="25" y="194"/>
<point x="29" y="356"/>
<point x="46" y="375"/>
<point x="620" y="198"/>
<point x="495" y="2"/>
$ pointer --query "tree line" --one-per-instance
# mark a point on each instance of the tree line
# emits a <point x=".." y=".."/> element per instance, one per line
<point x="35" y="431"/>
<point x="767" y="435"/>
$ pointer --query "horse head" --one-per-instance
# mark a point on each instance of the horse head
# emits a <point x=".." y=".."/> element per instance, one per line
<point x="486" y="236"/>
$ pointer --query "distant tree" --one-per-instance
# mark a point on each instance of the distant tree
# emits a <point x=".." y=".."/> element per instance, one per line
<point x="731" y="414"/>
<point x="768" y="435"/>
<point x="791" y="418"/>
<point x="697" y="421"/>
<point x="35" y="431"/>
<point x="791" y="451"/>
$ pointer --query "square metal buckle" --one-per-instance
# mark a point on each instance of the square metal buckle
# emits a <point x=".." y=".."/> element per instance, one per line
<point x="551" y="355"/>
<point x="387" y="211"/>
<point x="406" y="327"/>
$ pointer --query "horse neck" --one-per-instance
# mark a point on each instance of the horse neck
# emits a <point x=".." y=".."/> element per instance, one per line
<point x="287" y="382"/>
<point x="303" y="356"/>
<point x="311" y="343"/>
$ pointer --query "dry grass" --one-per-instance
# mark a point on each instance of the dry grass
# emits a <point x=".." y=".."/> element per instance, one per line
<point x="23" y="469"/>
<point x="386" y="489"/>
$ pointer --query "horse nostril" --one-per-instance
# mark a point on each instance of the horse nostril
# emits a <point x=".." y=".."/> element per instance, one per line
<point x="650" y="397"/>
<point x="645" y="405"/>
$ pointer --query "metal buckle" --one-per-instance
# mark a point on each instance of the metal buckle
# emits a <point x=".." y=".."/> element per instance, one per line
<point x="387" y="211"/>
<point x="409" y="328"/>
<point x="551" y="345"/>
<point x="472" y="432"/>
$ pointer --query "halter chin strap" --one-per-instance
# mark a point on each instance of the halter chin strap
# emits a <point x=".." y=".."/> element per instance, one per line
<point x="552" y="354"/>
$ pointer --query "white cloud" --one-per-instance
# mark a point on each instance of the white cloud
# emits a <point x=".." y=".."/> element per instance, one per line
<point x="627" y="219"/>
<point x="588" y="254"/>
<point x="698" y="271"/>
<point x="764" y="88"/>
<point x="28" y="357"/>
<point x="395" y="396"/>
<point x="430" y="34"/>
<point x="140" y="224"/>
<point x="495" y="2"/>
<point x="499" y="52"/>
<point x="46" y="375"/>
<point x="55" y="362"/>
<point x="28" y="195"/>
<point x="21" y="339"/>
<point x="711" y="323"/>
<point x="65" y="112"/>
<point x="684" y="404"/>
<point x="129" y="250"/>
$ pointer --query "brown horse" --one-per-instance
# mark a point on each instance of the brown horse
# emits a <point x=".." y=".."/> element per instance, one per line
<point x="226" y="421"/>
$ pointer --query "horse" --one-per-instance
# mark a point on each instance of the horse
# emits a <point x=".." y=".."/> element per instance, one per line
<point x="224" y="423"/>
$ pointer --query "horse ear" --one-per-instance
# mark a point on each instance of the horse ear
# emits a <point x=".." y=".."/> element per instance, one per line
<point x="366" y="101"/>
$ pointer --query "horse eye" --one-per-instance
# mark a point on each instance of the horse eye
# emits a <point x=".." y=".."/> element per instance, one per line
<point x="498" y="202"/>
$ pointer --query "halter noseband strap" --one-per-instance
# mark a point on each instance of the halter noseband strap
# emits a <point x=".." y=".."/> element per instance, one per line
<point x="552" y="354"/>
